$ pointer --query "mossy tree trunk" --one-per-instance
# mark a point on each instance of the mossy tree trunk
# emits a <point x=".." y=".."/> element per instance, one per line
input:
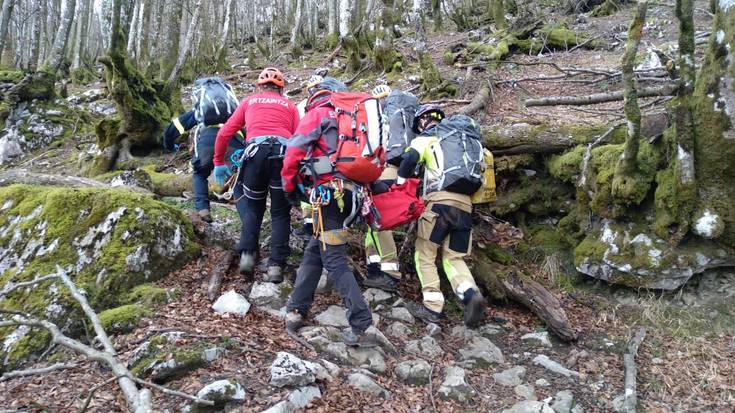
<point x="385" y="56"/>
<point x="623" y="183"/>
<point x="142" y="108"/>
<point x="713" y="103"/>
<point x="436" y="13"/>
<point x="497" y="9"/>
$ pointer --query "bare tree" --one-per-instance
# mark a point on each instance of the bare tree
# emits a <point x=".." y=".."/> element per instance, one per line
<point x="7" y="11"/>
<point x="56" y="54"/>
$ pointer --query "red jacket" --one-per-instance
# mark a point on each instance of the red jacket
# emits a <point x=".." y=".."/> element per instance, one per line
<point x="263" y="114"/>
<point x="316" y="131"/>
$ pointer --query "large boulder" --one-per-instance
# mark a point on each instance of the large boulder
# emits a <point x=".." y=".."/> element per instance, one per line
<point x="109" y="241"/>
<point x="628" y="254"/>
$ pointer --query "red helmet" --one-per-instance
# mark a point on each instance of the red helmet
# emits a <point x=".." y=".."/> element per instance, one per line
<point x="271" y="75"/>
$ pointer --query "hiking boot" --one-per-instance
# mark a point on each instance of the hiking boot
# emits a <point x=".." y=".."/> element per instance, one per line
<point x="274" y="274"/>
<point x="205" y="215"/>
<point x="474" y="309"/>
<point x="382" y="281"/>
<point x="247" y="262"/>
<point x="294" y="320"/>
<point x="421" y="312"/>
<point x="363" y="339"/>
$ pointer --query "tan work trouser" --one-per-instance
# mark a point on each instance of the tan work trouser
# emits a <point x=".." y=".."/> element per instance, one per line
<point x="381" y="248"/>
<point x="452" y="261"/>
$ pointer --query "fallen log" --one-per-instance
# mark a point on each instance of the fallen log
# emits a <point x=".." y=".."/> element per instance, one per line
<point x="506" y="283"/>
<point x="221" y="264"/>
<point x="26" y="177"/>
<point x="478" y="102"/>
<point x="663" y="90"/>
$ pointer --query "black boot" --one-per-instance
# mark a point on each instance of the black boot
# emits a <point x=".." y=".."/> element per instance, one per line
<point x="363" y="339"/>
<point x="378" y="279"/>
<point x="474" y="308"/>
<point x="421" y="312"/>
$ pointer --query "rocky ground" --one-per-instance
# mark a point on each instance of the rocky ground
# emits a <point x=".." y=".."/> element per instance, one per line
<point x="235" y="350"/>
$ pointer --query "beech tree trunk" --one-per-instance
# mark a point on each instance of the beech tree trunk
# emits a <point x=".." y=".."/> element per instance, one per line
<point x="7" y="11"/>
<point x="170" y="45"/>
<point x="173" y="79"/>
<point x="345" y="12"/>
<point x="56" y="54"/>
<point x="298" y="21"/>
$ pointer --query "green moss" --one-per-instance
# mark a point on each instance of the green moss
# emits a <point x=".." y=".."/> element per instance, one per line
<point x="11" y="76"/>
<point x="60" y="219"/>
<point x="567" y="166"/>
<point x="497" y="254"/>
<point x="147" y="294"/>
<point x="123" y="319"/>
<point x="166" y="184"/>
<point x="589" y="248"/>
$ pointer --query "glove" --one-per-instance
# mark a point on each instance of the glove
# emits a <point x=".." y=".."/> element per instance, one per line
<point x="221" y="173"/>
<point x="176" y="147"/>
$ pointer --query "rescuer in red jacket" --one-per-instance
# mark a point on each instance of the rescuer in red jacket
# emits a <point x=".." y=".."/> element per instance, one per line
<point x="270" y="120"/>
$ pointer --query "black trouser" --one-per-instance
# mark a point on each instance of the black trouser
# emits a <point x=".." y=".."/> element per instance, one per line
<point x="334" y="259"/>
<point x="261" y="174"/>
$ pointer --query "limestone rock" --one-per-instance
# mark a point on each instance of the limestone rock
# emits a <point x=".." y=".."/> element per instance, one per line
<point x="454" y="385"/>
<point x="231" y="302"/>
<point x="289" y="370"/>
<point x="333" y="316"/>
<point x="563" y="402"/>
<point x="525" y="391"/>
<point x="511" y="377"/>
<point x="540" y="337"/>
<point x="325" y="284"/>
<point x="433" y="330"/>
<point x="413" y="372"/>
<point x="486" y="330"/>
<point x="620" y="253"/>
<point x="167" y="356"/>
<point x="297" y="399"/>
<point x="426" y="346"/>
<point x="398" y="329"/>
<point x="222" y="391"/>
<point x="108" y="241"/>
<point x="270" y="295"/>
<point x="542" y="382"/>
<point x="481" y="350"/>
<point x="374" y="296"/>
<point x="551" y="365"/>
<point x="365" y="384"/>
<point x="529" y="406"/>
<point x="327" y="340"/>
<point x="401" y="314"/>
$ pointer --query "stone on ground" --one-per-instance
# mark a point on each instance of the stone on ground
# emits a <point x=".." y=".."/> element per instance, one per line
<point x="374" y="296"/>
<point x="426" y="346"/>
<point x="413" y="372"/>
<point x="542" y="382"/>
<point x="540" y="338"/>
<point x="510" y="377"/>
<point x="168" y="356"/>
<point x="333" y="316"/>
<point x="231" y="303"/>
<point x="487" y="331"/>
<point x="529" y="406"/>
<point x="481" y="350"/>
<point x="551" y="365"/>
<point x="270" y="295"/>
<point x="454" y="385"/>
<point x="525" y="391"/>
<point x="401" y="314"/>
<point x="433" y="330"/>
<point x="297" y="399"/>
<point x="222" y="391"/>
<point x="563" y="402"/>
<point x="365" y="384"/>
<point x="289" y="370"/>
<point x="398" y="329"/>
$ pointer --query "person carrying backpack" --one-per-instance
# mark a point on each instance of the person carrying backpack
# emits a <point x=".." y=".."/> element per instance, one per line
<point x="336" y="207"/>
<point x="451" y="153"/>
<point x="203" y="138"/>
<point x="380" y="247"/>
<point x="270" y="119"/>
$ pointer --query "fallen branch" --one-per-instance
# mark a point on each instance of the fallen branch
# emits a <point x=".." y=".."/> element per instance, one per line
<point x="35" y="372"/>
<point x="332" y="55"/>
<point x="430" y="389"/>
<point x="664" y="90"/>
<point x="170" y="392"/>
<point x="219" y="269"/>
<point x="629" y="403"/>
<point x="478" y="103"/>
<point x="93" y="390"/>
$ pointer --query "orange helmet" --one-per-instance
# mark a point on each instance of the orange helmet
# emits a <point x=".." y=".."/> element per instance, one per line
<point x="271" y="75"/>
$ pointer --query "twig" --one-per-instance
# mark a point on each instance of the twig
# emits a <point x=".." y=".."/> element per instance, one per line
<point x="359" y="72"/>
<point x="11" y="286"/>
<point x="629" y="403"/>
<point x="34" y="372"/>
<point x="431" y="391"/>
<point x="171" y="392"/>
<point x="584" y="43"/>
<point x="93" y="390"/>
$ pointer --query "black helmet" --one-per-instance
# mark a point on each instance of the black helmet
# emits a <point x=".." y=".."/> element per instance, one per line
<point x="319" y="93"/>
<point x="431" y="110"/>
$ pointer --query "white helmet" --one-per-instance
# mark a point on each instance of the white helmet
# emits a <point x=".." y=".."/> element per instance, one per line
<point x="380" y="91"/>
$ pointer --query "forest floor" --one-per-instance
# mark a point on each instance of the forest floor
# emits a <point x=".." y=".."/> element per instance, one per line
<point x="685" y="363"/>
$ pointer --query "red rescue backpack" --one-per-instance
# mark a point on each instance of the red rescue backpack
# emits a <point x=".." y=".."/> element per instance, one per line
<point x="359" y="156"/>
<point x="398" y="206"/>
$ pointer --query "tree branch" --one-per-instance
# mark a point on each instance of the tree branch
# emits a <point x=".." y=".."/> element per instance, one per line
<point x="663" y="90"/>
<point x="35" y="372"/>
<point x="629" y="403"/>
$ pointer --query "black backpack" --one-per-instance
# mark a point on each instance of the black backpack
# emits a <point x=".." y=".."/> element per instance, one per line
<point x="464" y="160"/>
<point x="399" y="109"/>
<point x="214" y="101"/>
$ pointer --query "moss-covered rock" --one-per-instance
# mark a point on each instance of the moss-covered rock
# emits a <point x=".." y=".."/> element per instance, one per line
<point x="170" y="355"/>
<point x="626" y="253"/>
<point x="110" y="241"/>
<point x="123" y="319"/>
